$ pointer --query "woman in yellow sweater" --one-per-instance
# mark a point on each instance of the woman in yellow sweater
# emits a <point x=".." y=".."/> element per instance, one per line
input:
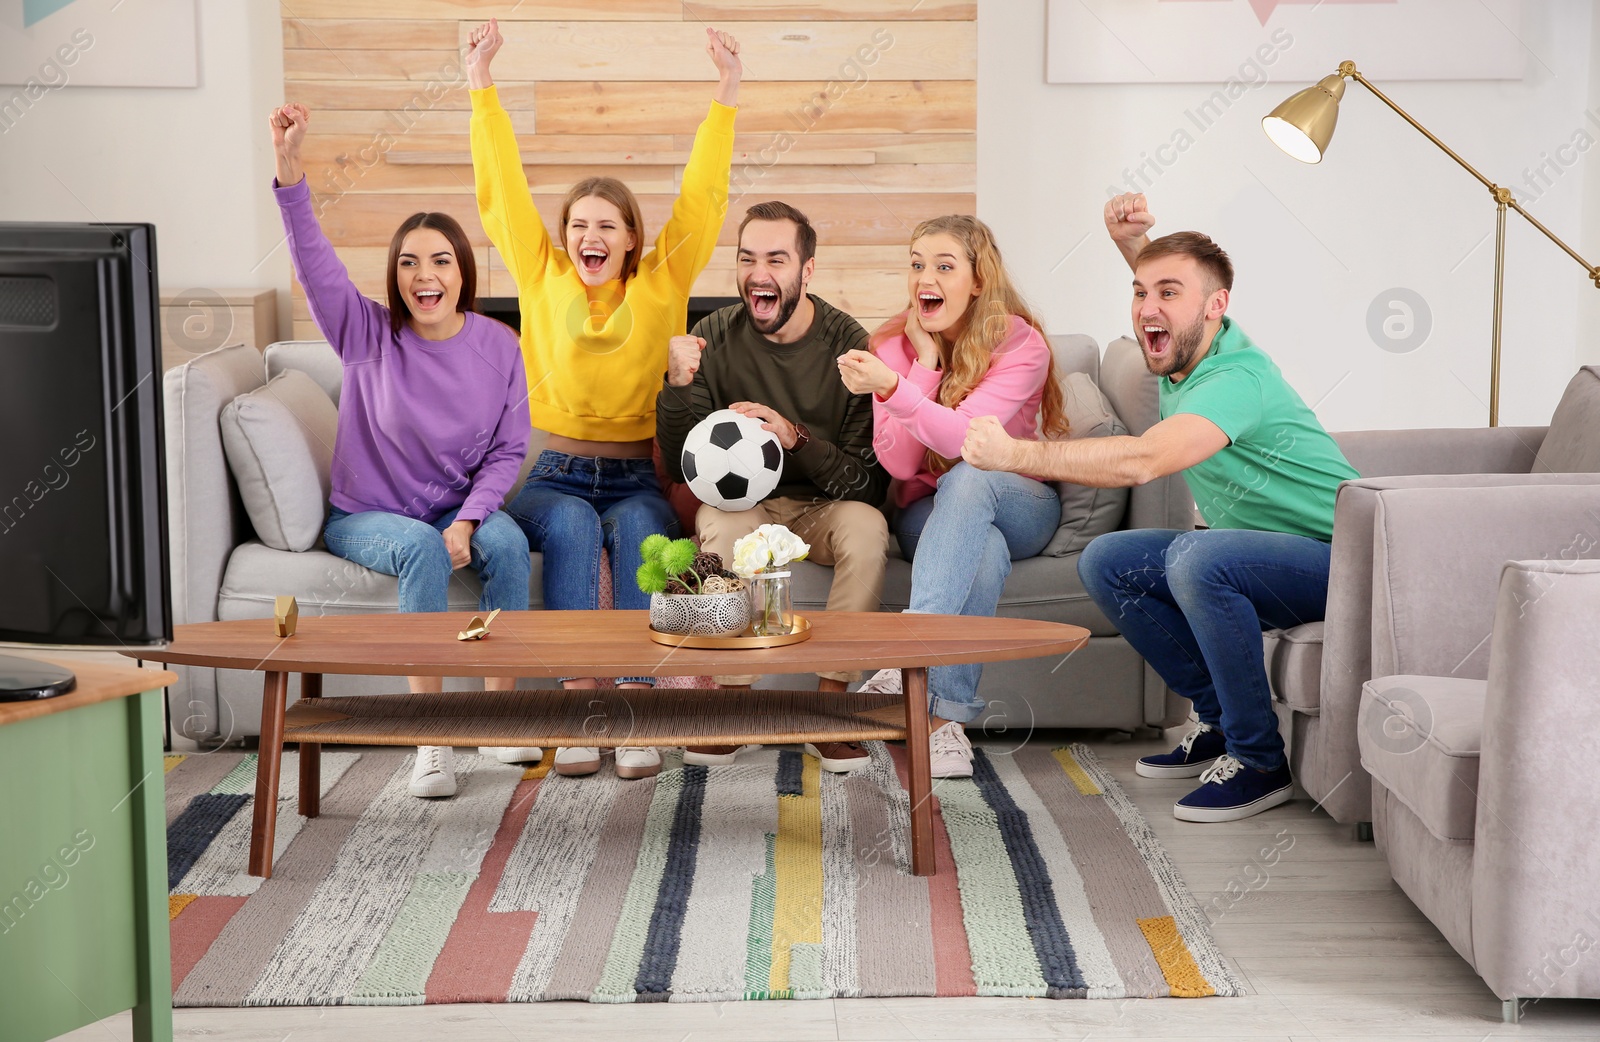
<point x="597" y="315"/>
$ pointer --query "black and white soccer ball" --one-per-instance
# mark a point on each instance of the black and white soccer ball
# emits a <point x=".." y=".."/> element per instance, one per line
<point x="730" y="462"/>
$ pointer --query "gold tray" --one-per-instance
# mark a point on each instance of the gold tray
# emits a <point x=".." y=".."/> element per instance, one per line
<point x="801" y="632"/>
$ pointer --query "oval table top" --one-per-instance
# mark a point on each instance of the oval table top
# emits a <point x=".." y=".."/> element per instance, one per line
<point x="600" y="644"/>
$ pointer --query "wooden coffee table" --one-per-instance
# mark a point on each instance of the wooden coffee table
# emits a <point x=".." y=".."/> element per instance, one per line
<point x="593" y="644"/>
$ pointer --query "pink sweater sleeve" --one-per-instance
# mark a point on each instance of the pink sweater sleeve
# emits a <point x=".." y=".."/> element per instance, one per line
<point x="1016" y="373"/>
<point x="901" y="454"/>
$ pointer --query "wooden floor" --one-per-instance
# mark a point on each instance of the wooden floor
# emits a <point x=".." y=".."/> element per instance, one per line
<point x="1329" y="945"/>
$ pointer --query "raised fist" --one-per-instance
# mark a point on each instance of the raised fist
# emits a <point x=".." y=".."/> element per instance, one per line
<point x="1128" y="217"/>
<point x="724" y="52"/>
<point x="289" y="127"/>
<point x="484" y="43"/>
<point x="683" y="359"/>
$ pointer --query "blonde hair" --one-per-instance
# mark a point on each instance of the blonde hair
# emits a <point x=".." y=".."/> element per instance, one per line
<point x="988" y="321"/>
<point x="619" y="195"/>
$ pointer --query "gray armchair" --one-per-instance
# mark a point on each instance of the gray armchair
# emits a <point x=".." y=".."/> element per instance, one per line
<point x="1480" y="728"/>
<point x="1317" y="669"/>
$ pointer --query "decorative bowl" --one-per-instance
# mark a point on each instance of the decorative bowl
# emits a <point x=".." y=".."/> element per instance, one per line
<point x="700" y="614"/>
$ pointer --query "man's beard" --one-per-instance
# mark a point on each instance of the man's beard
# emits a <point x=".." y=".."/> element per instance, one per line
<point x="1185" y="345"/>
<point x="788" y="301"/>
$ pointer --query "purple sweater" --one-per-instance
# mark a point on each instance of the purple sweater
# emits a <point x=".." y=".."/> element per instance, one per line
<point x="425" y="426"/>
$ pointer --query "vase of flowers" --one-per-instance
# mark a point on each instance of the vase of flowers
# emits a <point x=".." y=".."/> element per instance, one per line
<point x="691" y="592"/>
<point x="762" y="559"/>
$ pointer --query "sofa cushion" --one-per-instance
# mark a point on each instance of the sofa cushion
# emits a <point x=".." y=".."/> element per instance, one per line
<point x="1572" y="445"/>
<point x="1042" y="588"/>
<point x="315" y="358"/>
<point x="1086" y="512"/>
<point x="279" y="441"/>
<point x="325" y="584"/>
<point x="1420" y="738"/>
<point x="1075" y="353"/>
<point x="1294" y="666"/>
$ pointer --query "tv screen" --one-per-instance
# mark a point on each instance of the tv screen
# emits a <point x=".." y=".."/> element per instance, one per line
<point x="83" y="536"/>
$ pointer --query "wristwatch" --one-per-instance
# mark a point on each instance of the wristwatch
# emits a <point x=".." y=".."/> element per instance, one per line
<point x="802" y="435"/>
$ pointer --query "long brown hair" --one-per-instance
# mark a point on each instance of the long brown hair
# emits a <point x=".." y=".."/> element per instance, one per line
<point x="988" y="321"/>
<point x="450" y="228"/>
<point x="619" y="195"/>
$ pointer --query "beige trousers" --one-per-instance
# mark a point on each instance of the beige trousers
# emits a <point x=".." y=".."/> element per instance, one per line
<point x="851" y="536"/>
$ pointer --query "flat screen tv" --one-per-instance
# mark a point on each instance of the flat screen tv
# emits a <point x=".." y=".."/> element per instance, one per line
<point x="83" y="533"/>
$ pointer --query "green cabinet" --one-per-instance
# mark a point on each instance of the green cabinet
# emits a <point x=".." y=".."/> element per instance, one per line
<point x="83" y="909"/>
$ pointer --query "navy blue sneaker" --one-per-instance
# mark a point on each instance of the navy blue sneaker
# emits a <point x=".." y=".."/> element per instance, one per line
<point x="1230" y="791"/>
<point x="1197" y="752"/>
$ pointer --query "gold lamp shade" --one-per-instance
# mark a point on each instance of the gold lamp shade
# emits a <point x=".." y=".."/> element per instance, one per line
<point x="1303" y="125"/>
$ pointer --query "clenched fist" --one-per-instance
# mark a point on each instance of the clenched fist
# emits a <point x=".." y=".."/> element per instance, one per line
<point x="288" y="124"/>
<point x="1128" y="217"/>
<point x="865" y="373"/>
<point x="723" y="50"/>
<point x="482" y="46"/>
<point x="458" y="542"/>
<point x="988" y="446"/>
<point x="683" y="359"/>
<point x="289" y="127"/>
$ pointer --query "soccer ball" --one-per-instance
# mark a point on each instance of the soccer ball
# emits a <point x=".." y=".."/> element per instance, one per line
<point x="729" y="462"/>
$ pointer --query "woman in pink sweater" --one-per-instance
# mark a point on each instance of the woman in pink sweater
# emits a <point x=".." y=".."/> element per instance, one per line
<point x="967" y="347"/>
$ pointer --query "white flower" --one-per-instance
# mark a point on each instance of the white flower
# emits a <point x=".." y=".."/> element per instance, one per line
<point x="751" y="553"/>
<point x="785" y="546"/>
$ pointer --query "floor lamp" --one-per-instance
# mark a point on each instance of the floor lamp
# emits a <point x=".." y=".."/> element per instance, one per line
<point x="1303" y="125"/>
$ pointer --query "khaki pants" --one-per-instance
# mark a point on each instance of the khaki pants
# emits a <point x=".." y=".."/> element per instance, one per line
<point x="851" y="536"/>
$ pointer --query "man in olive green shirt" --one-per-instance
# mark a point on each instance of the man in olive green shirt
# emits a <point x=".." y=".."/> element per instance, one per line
<point x="774" y="356"/>
<point x="1263" y="472"/>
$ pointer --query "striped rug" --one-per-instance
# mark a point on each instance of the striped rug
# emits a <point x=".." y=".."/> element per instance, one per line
<point x="767" y="879"/>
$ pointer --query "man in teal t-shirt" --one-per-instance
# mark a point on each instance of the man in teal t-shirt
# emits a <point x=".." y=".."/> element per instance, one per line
<point x="1263" y="472"/>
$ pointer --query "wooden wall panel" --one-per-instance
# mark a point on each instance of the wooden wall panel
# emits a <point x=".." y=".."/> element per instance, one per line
<point x="861" y="112"/>
<point x="483" y="10"/>
<point x="859" y="10"/>
<point x="638" y="10"/>
<point x="798" y="50"/>
<point x="789" y="107"/>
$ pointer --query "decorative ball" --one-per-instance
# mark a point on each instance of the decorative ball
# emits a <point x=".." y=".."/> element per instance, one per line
<point x="730" y="462"/>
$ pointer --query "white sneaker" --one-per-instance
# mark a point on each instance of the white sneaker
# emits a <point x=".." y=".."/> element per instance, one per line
<point x="638" y="761"/>
<point x="950" y="752"/>
<point x="512" y="753"/>
<point x="883" y="682"/>
<point x="578" y="760"/>
<point x="434" y="773"/>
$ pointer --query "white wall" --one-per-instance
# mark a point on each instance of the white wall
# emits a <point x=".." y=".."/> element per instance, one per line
<point x="195" y="162"/>
<point x="1315" y="245"/>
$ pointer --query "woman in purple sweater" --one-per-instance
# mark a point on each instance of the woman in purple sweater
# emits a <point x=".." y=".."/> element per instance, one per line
<point x="433" y="420"/>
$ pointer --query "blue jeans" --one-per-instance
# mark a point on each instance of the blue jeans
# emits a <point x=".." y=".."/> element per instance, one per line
<point x="961" y="542"/>
<point x="1194" y="605"/>
<point x="573" y="506"/>
<point x="414" y="551"/>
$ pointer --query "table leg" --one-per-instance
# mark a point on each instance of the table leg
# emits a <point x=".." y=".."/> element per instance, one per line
<point x="914" y="682"/>
<point x="310" y="755"/>
<point x="152" y="1011"/>
<point x="274" y="696"/>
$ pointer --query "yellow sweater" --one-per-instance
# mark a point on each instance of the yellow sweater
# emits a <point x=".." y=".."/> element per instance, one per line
<point x="595" y="356"/>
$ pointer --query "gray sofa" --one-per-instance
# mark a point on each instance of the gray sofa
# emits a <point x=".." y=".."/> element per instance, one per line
<point x="1317" y="669"/>
<point x="221" y="570"/>
<point x="1478" y="731"/>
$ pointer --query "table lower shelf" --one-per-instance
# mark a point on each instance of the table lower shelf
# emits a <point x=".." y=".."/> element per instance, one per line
<point x="597" y="717"/>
